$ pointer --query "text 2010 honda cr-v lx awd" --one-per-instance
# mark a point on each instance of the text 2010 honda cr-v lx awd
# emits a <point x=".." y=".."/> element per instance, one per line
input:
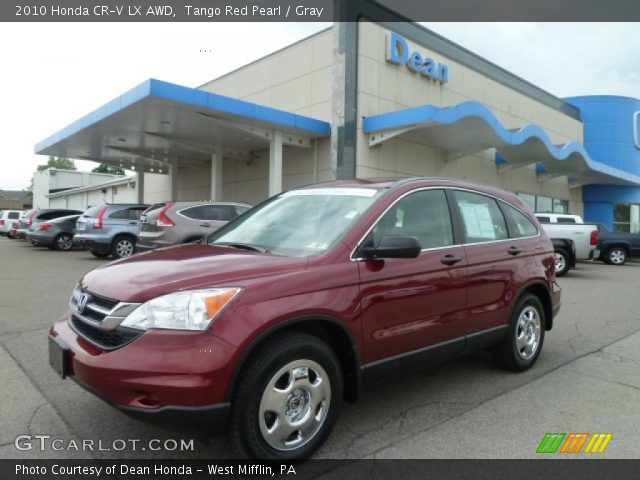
<point x="288" y="309"/>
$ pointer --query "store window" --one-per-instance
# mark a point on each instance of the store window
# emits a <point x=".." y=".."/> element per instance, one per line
<point x="530" y="200"/>
<point x="560" y="206"/>
<point x="544" y="205"/>
<point x="626" y="217"/>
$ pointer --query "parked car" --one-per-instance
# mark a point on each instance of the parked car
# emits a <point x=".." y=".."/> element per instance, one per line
<point x="36" y="216"/>
<point x="110" y="229"/>
<point x="286" y="310"/>
<point x="558" y="218"/>
<point x="55" y="234"/>
<point x="615" y="248"/>
<point x="172" y="223"/>
<point x="7" y="217"/>
<point x="571" y="242"/>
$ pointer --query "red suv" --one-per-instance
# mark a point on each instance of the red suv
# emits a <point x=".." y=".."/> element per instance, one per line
<point x="287" y="310"/>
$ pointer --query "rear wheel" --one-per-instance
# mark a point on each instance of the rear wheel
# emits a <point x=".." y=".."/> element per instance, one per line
<point x="562" y="262"/>
<point x="99" y="254"/>
<point x="64" y="241"/>
<point x="616" y="256"/>
<point x="123" y="247"/>
<point x="522" y="345"/>
<point x="287" y="399"/>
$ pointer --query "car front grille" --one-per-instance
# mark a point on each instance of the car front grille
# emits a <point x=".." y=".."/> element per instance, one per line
<point x="105" y="339"/>
<point x="102" y="302"/>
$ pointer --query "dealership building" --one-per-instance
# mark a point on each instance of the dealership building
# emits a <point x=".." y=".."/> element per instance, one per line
<point x="369" y="99"/>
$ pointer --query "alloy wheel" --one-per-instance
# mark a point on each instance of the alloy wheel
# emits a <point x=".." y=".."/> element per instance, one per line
<point x="124" y="248"/>
<point x="528" y="332"/>
<point x="561" y="262"/>
<point x="294" y="405"/>
<point x="65" y="242"/>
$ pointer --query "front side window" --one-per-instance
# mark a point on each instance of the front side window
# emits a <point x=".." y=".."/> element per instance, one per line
<point x="482" y="219"/>
<point x="521" y="225"/>
<point x="424" y="215"/>
<point x="300" y="222"/>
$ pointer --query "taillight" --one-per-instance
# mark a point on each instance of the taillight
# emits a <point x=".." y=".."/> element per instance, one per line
<point x="98" y="222"/>
<point x="594" y="238"/>
<point x="44" y="226"/>
<point x="31" y="218"/>
<point x="163" y="220"/>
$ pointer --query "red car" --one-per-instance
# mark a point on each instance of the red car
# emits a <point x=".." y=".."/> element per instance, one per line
<point x="287" y="310"/>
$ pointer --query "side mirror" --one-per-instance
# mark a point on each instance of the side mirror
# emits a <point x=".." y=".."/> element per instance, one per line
<point x="394" y="247"/>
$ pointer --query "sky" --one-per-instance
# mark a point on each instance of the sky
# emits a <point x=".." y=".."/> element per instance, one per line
<point x="54" y="73"/>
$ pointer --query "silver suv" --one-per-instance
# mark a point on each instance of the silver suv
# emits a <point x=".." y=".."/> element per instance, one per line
<point x="172" y="223"/>
<point x="110" y="229"/>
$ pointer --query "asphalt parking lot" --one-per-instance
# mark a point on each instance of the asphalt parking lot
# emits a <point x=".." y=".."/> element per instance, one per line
<point x="586" y="380"/>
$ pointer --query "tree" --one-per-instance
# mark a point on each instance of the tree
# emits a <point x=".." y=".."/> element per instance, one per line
<point x="61" y="163"/>
<point x="104" y="168"/>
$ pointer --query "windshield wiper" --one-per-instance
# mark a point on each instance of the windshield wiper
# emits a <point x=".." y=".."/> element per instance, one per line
<point x="242" y="246"/>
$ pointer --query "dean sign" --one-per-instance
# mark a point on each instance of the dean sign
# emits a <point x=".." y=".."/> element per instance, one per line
<point x="398" y="52"/>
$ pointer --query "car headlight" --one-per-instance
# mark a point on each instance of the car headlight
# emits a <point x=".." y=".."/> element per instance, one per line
<point x="187" y="310"/>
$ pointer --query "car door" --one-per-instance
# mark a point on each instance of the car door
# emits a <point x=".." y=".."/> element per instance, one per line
<point x="495" y="261"/>
<point x="212" y="217"/>
<point x="410" y="306"/>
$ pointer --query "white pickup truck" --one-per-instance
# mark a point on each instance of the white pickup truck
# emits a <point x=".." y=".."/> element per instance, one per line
<point x="572" y="239"/>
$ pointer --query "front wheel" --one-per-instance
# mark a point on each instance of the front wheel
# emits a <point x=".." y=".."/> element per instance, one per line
<point x="616" y="256"/>
<point x="562" y="262"/>
<point x="288" y="398"/>
<point x="522" y="345"/>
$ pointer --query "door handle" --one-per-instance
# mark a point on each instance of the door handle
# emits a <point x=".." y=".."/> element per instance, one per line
<point x="514" y="251"/>
<point x="206" y="224"/>
<point x="450" y="260"/>
<point x="133" y="223"/>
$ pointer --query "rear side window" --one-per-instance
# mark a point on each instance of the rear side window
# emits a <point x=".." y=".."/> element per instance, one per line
<point x="481" y="217"/>
<point x="566" y="220"/>
<point x="46" y="216"/>
<point x="423" y="214"/>
<point x="123" y="214"/>
<point x="192" y="212"/>
<point x="14" y="215"/>
<point x="519" y="224"/>
<point x="216" y="212"/>
<point x="544" y="219"/>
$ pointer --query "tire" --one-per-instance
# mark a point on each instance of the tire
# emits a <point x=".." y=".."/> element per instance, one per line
<point x="616" y="256"/>
<point x="63" y="242"/>
<point x="99" y="254"/>
<point x="123" y="247"/>
<point x="263" y="385"/>
<point x="528" y="318"/>
<point x="562" y="262"/>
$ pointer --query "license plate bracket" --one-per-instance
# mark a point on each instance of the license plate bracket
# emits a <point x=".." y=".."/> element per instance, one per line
<point x="58" y="356"/>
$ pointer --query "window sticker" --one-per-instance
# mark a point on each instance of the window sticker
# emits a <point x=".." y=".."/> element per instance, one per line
<point x="477" y="220"/>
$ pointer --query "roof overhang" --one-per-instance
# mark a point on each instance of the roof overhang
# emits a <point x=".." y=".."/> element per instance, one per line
<point x="157" y="122"/>
<point x="470" y="127"/>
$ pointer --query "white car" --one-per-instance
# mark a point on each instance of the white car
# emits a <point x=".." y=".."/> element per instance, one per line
<point x="7" y="217"/>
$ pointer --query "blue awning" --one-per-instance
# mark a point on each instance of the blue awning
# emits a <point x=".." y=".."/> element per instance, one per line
<point x="157" y="122"/>
<point x="470" y="127"/>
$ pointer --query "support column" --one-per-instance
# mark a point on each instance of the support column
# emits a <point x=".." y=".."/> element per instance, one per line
<point x="140" y="186"/>
<point x="173" y="180"/>
<point x="275" y="164"/>
<point x="216" y="174"/>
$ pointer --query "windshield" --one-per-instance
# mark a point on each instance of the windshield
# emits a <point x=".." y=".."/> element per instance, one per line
<point x="300" y="222"/>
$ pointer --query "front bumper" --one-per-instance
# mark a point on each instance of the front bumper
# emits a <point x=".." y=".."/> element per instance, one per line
<point x="168" y="377"/>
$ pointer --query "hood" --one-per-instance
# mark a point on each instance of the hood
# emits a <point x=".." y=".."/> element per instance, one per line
<point x="149" y="275"/>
